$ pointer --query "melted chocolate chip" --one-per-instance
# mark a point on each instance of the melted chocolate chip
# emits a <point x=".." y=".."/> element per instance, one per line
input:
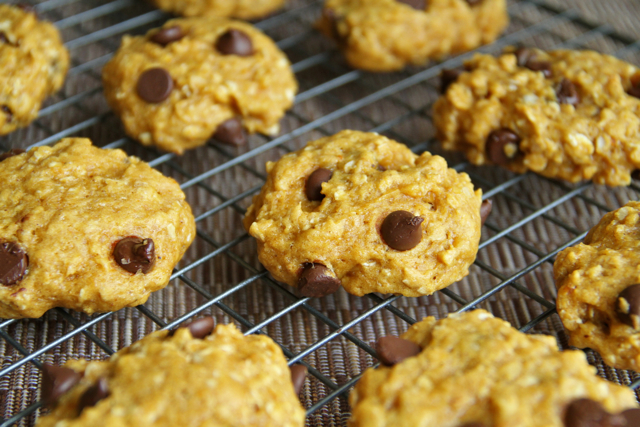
<point x="154" y="85"/>
<point x="56" y="381"/>
<point x="401" y="231"/>
<point x="93" y="395"/>
<point x="8" y="113"/>
<point x="567" y="93"/>
<point x="317" y="281"/>
<point x="234" y="42"/>
<point x="13" y="263"/>
<point x="298" y="374"/>
<point x="313" y="186"/>
<point x="635" y="90"/>
<point x="527" y="58"/>
<point x="11" y="153"/>
<point x="416" y="4"/>
<point x="200" y="328"/>
<point x="497" y="141"/>
<point x="167" y="35"/>
<point x="392" y="350"/>
<point x="585" y="413"/>
<point x="448" y="77"/>
<point x="632" y="417"/>
<point x="230" y="132"/>
<point x="628" y="306"/>
<point x="135" y="254"/>
<point x="485" y="210"/>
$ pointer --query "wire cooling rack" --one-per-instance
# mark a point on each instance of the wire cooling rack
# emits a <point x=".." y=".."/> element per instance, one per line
<point x="533" y="217"/>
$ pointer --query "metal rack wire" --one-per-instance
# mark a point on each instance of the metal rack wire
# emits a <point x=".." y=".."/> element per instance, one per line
<point x="533" y="219"/>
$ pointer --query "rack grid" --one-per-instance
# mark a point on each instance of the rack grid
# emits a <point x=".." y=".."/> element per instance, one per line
<point x="532" y="220"/>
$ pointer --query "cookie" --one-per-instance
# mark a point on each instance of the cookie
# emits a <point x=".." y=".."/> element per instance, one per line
<point x="186" y="378"/>
<point x="473" y="370"/>
<point x="195" y="78"/>
<point x="242" y="9"/>
<point x="388" y="35"/>
<point x="33" y="64"/>
<point x="361" y="211"/>
<point x="598" y="285"/>
<point x="571" y="115"/>
<point x="85" y="228"/>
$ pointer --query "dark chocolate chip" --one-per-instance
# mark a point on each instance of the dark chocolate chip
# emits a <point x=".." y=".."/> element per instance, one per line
<point x="635" y="91"/>
<point x="381" y="168"/>
<point x="416" y="4"/>
<point x="3" y="38"/>
<point x="497" y="141"/>
<point x="317" y="281"/>
<point x="636" y="174"/>
<point x="135" y="254"/>
<point x="527" y="58"/>
<point x="485" y="210"/>
<point x="401" y="231"/>
<point x="200" y="328"/>
<point x="93" y="395"/>
<point x="231" y="132"/>
<point x="332" y="18"/>
<point x="632" y="417"/>
<point x="628" y="306"/>
<point x="11" y="153"/>
<point x="56" y="381"/>
<point x="523" y="55"/>
<point x="313" y="186"/>
<point x="234" y="42"/>
<point x="7" y="111"/>
<point x="167" y="35"/>
<point x="473" y="424"/>
<point x="392" y="350"/>
<point x="567" y="93"/>
<point x="13" y="263"/>
<point x="542" y="66"/>
<point x="155" y="85"/>
<point x="298" y="374"/>
<point x="447" y="77"/>
<point x="586" y="413"/>
<point x="474" y="2"/>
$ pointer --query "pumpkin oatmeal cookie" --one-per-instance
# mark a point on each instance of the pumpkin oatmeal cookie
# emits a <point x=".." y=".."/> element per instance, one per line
<point x="241" y="9"/>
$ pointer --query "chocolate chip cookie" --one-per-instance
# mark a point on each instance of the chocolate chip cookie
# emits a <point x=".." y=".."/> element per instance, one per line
<point x="361" y="211"/>
<point x="197" y="78"/>
<point x="187" y="377"/>
<point x="598" y="285"/>
<point x="33" y="64"/>
<point x="387" y="35"/>
<point x="242" y="9"/>
<point x="85" y="228"/>
<point x="473" y="370"/>
<point x="572" y="115"/>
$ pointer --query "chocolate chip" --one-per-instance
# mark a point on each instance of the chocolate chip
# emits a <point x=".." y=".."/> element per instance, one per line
<point x="7" y="111"/>
<point x="485" y="210"/>
<point x="527" y="58"/>
<point x="523" y="55"/>
<point x="298" y="374"/>
<point x="401" y="230"/>
<point x="416" y="4"/>
<point x="167" y="35"/>
<point x="154" y="85"/>
<point x="586" y="413"/>
<point x="200" y="328"/>
<point x="498" y="141"/>
<point x="135" y="254"/>
<point x="632" y="417"/>
<point x="56" y="381"/>
<point x="3" y="38"/>
<point x="27" y="7"/>
<point x="313" y="186"/>
<point x="567" y="93"/>
<point x="635" y="90"/>
<point x="234" y="42"/>
<point x="392" y="350"/>
<point x="231" y="132"/>
<point x="543" y="66"/>
<point x="93" y="395"/>
<point x="13" y="263"/>
<point x="473" y="424"/>
<point x="11" y="153"/>
<point x="474" y="2"/>
<point x="447" y="77"/>
<point x="628" y="306"/>
<point x="317" y="281"/>
<point x="636" y="174"/>
<point x="332" y="18"/>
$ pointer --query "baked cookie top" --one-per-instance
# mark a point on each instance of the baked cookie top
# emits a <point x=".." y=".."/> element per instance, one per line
<point x="363" y="211"/>
<point x="472" y="369"/>
<point x="387" y="35"/>
<point x="164" y="380"/>
<point x="563" y="114"/>
<point x="175" y="86"/>
<point x="34" y="64"/>
<point x="87" y="229"/>
<point x="242" y="9"/>
<point x="598" y="288"/>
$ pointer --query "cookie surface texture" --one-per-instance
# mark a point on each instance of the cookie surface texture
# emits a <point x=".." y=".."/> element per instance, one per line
<point x="225" y="379"/>
<point x="34" y="63"/>
<point x="590" y="278"/>
<point x="568" y="115"/>
<point x="474" y="368"/>
<point x="371" y="178"/>
<point x="387" y="35"/>
<point x="242" y="9"/>
<point x="68" y="209"/>
<point x="176" y="91"/>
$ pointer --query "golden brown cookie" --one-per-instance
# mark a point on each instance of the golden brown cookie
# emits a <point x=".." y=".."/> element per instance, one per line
<point x="87" y="229"/>
<point x="387" y="35"/>
<point x="565" y="114"/>
<point x="598" y="288"/>
<point x="472" y="369"/>
<point x="187" y="379"/>
<point x="360" y="210"/>
<point x="179" y="85"/>
<point x="242" y="9"/>
<point x="33" y="64"/>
